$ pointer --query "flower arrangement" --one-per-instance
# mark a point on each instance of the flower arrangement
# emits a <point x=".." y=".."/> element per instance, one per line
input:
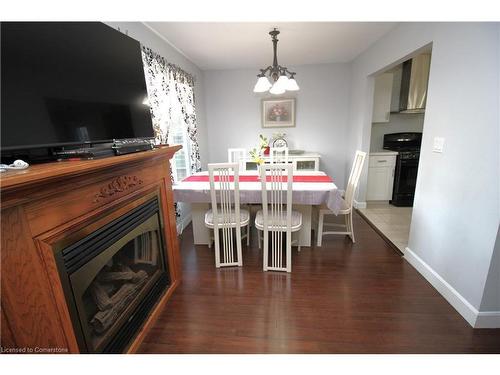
<point x="277" y="111"/>
<point x="257" y="153"/>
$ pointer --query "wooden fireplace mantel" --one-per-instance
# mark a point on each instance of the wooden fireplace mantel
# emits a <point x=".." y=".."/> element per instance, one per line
<point x="47" y="203"/>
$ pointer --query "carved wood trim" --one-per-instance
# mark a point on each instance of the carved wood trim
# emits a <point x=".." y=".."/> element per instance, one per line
<point x="48" y="203"/>
<point x="117" y="185"/>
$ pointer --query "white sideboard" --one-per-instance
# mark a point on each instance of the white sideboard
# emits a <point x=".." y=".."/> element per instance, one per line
<point x="381" y="176"/>
<point x="306" y="161"/>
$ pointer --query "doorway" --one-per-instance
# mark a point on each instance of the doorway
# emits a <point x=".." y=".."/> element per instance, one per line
<point x="399" y="101"/>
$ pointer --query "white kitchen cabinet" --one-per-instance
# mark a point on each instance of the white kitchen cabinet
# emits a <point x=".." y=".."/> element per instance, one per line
<point x="382" y="98"/>
<point x="381" y="176"/>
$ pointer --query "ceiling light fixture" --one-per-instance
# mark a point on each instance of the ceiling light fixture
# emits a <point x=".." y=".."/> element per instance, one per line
<point x="283" y="79"/>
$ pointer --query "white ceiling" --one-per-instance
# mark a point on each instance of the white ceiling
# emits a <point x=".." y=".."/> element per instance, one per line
<point x="216" y="45"/>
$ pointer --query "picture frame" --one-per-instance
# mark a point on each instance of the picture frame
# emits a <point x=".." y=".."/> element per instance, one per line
<point x="278" y="113"/>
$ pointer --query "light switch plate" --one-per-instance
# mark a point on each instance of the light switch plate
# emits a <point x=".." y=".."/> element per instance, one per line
<point x="438" y="144"/>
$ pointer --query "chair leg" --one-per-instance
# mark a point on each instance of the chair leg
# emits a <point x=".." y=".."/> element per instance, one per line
<point x="351" y="228"/>
<point x="289" y="252"/>
<point x="248" y="233"/>
<point x="347" y="225"/>
<point x="210" y="241"/>
<point x="266" y="250"/>
<point x="217" y="249"/>
<point x="320" y="229"/>
<point x="238" y="246"/>
<point x="259" y="238"/>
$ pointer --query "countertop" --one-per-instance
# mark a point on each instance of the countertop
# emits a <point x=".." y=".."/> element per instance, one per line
<point x="384" y="153"/>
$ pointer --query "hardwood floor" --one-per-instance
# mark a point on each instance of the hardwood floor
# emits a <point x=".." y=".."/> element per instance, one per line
<point x="340" y="298"/>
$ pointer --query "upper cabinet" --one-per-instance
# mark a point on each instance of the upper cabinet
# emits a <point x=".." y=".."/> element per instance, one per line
<point x="382" y="97"/>
<point x="397" y="73"/>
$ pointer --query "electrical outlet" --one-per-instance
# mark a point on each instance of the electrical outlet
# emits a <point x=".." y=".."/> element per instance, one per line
<point x="438" y="144"/>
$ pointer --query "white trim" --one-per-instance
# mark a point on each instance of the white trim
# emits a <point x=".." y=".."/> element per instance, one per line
<point x="483" y="319"/>
<point x="359" y="204"/>
<point x="488" y="319"/>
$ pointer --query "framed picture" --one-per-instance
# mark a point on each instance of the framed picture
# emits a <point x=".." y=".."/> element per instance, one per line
<point x="278" y="113"/>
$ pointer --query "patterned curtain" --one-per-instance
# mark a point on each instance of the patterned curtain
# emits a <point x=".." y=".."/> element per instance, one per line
<point x="185" y="95"/>
<point x="169" y="86"/>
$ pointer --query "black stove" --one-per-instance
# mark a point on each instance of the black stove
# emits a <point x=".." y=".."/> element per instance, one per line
<point x="405" y="175"/>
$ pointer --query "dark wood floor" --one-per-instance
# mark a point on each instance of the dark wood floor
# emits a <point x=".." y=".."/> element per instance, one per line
<point x="340" y="298"/>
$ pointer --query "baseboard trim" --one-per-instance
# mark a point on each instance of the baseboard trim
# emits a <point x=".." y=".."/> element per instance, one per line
<point x="359" y="204"/>
<point x="477" y="319"/>
<point x="488" y="319"/>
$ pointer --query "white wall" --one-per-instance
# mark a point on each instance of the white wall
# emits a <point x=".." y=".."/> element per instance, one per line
<point x="456" y="209"/>
<point x="234" y="113"/>
<point x="145" y="36"/>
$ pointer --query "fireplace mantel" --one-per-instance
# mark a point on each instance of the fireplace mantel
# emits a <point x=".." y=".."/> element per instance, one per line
<point x="46" y="204"/>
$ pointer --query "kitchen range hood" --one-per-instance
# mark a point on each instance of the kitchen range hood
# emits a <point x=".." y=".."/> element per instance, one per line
<point x="413" y="94"/>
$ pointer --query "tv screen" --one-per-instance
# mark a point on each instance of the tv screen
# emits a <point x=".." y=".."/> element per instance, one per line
<point x="65" y="83"/>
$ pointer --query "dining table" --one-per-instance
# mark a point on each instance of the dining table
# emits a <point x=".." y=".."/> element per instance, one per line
<point x="309" y="189"/>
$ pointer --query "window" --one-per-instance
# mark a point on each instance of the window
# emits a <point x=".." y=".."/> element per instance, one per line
<point x="181" y="167"/>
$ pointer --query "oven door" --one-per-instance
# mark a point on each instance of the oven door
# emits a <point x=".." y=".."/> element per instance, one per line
<point x="405" y="181"/>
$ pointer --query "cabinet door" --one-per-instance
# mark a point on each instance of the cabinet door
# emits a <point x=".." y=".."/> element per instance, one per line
<point x="251" y="166"/>
<point x="306" y="164"/>
<point x="380" y="181"/>
<point x="382" y="98"/>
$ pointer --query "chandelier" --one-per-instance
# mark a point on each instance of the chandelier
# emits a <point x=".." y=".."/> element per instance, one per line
<point x="283" y="79"/>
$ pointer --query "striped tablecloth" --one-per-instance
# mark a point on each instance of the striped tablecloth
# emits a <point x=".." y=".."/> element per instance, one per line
<point x="309" y="188"/>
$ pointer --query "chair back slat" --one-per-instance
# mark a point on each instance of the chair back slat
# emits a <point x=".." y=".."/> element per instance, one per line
<point x="353" y="181"/>
<point x="225" y="197"/>
<point x="237" y="155"/>
<point x="276" y="180"/>
<point x="278" y="155"/>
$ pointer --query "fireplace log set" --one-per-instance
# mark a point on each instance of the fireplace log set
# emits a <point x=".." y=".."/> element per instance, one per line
<point x="112" y="291"/>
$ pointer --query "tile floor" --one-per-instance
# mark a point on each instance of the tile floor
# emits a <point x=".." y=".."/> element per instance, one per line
<point x="393" y="222"/>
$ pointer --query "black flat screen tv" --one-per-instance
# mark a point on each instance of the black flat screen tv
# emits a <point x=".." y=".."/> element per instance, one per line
<point x="70" y="83"/>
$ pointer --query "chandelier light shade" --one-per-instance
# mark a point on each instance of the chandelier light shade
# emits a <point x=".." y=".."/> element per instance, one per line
<point x="275" y="78"/>
<point x="292" y="85"/>
<point x="262" y="84"/>
<point x="277" y="89"/>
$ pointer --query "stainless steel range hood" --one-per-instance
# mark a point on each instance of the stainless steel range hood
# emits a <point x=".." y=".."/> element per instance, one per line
<point x="413" y="95"/>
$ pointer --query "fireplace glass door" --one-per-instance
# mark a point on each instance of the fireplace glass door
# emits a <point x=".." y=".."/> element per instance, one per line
<point x="111" y="282"/>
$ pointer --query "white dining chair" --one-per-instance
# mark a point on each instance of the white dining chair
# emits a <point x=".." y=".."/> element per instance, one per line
<point x="346" y="203"/>
<point x="226" y="218"/>
<point x="277" y="217"/>
<point x="237" y="155"/>
<point x="278" y="155"/>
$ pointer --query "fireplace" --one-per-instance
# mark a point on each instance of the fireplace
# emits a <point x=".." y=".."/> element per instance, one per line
<point x="113" y="277"/>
